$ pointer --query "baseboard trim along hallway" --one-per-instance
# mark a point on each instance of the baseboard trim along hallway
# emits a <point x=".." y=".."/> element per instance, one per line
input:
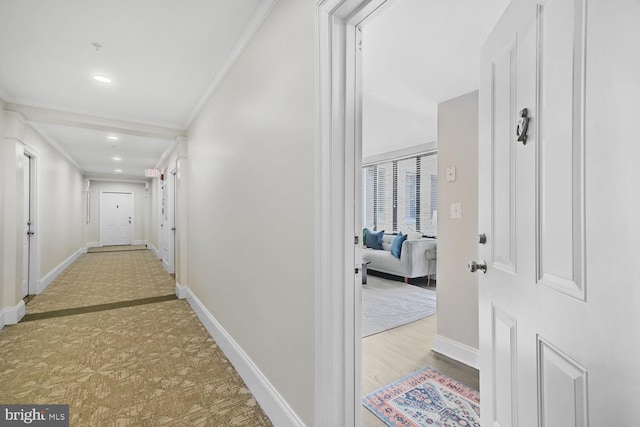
<point x="12" y="315"/>
<point x="56" y="271"/>
<point x="271" y="402"/>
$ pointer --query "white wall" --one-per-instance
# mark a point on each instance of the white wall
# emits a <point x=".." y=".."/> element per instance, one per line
<point x="252" y="202"/>
<point x="59" y="195"/>
<point x="141" y="208"/>
<point x="457" y="238"/>
<point x="59" y="206"/>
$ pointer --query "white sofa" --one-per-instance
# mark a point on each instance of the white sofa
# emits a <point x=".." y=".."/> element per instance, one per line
<point x="417" y="258"/>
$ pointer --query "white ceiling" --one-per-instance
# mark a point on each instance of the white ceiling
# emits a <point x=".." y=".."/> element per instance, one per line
<point x="416" y="54"/>
<point x="164" y="57"/>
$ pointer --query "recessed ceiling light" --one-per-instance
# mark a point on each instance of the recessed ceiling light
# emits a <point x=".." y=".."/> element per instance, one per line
<point x="118" y="170"/>
<point x="115" y="138"/>
<point x="117" y="158"/>
<point x="102" y="79"/>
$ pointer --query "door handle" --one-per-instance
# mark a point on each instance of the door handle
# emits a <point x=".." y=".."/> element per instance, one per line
<point x="474" y="266"/>
<point x="523" y="126"/>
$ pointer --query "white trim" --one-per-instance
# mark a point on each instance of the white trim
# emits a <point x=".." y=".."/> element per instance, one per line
<point x="2" y="324"/>
<point x="273" y="404"/>
<point x="155" y="251"/>
<point x="338" y="365"/>
<point x="34" y="249"/>
<point x="255" y="22"/>
<point x="55" y="272"/>
<point x="93" y="244"/>
<point x="13" y="315"/>
<point x="181" y="291"/>
<point x="138" y="242"/>
<point x="456" y="350"/>
<point x="83" y="119"/>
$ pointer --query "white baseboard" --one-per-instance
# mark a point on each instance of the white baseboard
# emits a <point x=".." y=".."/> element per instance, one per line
<point x="2" y="319"/>
<point x="181" y="291"/>
<point x="93" y="244"/>
<point x="139" y="242"/>
<point x="51" y="276"/>
<point x="273" y="404"/>
<point x="456" y="350"/>
<point x="12" y="315"/>
<point x="154" y="250"/>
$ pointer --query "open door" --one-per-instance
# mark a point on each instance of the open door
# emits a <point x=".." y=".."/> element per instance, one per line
<point x="557" y="85"/>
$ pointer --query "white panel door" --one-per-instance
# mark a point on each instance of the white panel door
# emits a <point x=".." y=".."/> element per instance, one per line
<point x="558" y="303"/>
<point x="26" y="226"/>
<point x="116" y="218"/>
<point x="168" y="248"/>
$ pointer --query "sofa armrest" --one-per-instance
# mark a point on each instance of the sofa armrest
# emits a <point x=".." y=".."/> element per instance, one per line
<point x="413" y="257"/>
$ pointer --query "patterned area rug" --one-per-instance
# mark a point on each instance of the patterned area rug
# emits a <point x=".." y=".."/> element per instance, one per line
<point x="425" y="398"/>
<point x="387" y="304"/>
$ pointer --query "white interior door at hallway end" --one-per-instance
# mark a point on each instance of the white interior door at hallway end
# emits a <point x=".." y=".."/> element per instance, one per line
<point x="558" y="303"/>
<point x="116" y="218"/>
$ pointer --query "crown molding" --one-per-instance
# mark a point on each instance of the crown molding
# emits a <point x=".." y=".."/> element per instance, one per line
<point x="216" y="78"/>
<point x="46" y="115"/>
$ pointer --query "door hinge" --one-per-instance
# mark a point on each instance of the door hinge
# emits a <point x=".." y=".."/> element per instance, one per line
<point x="357" y="270"/>
<point x="356" y="240"/>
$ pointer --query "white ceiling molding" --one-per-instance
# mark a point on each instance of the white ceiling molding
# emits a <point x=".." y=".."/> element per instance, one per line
<point x="45" y="115"/>
<point x="114" y="179"/>
<point x="252" y="27"/>
<point x="53" y="142"/>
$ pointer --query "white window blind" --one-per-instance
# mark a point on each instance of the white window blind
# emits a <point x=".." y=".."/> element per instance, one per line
<point x="402" y="195"/>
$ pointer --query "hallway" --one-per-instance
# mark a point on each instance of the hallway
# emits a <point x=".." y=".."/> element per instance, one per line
<point x="109" y="338"/>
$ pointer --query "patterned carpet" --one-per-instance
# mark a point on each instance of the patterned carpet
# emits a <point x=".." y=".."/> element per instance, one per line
<point x="100" y="278"/>
<point x="148" y="365"/>
<point x="117" y="248"/>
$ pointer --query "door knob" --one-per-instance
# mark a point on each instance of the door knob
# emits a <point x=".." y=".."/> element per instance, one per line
<point x="474" y="266"/>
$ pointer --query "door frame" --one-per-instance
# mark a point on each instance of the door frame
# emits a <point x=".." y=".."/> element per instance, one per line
<point x="338" y="140"/>
<point x="102" y="193"/>
<point x="170" y="226"/>
<point x="34" y="245"/>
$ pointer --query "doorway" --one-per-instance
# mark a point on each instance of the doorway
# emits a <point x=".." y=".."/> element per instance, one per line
<point x="116" y="218"/>
<point x="28" y="221"/>
<point x="168" y="220"/>
<point x="340" y="163"/>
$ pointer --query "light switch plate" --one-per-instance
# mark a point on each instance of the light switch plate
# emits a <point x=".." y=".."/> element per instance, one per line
<point x="456" y="210"/>
<point x="451" y="174"/>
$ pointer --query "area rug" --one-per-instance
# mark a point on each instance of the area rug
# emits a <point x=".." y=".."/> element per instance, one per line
<point x="387" y="304"/>
<point x="425" y="398"/>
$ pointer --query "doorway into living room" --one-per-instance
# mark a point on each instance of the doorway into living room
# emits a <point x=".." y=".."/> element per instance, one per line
<point x="418" y="73"/>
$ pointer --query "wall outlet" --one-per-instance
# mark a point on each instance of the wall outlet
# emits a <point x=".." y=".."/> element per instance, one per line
<point x="451" y="174"/>
<point x="456" y="210"/>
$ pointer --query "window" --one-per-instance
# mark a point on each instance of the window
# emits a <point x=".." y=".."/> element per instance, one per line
<point x="401" y="195"/>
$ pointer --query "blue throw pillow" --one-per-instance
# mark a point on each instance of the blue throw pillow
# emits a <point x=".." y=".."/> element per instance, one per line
<point x="374" y="240"/>
<point x="396" y="245"/>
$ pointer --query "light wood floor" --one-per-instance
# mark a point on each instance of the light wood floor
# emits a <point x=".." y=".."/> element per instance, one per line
<point x="393" y="354"/>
